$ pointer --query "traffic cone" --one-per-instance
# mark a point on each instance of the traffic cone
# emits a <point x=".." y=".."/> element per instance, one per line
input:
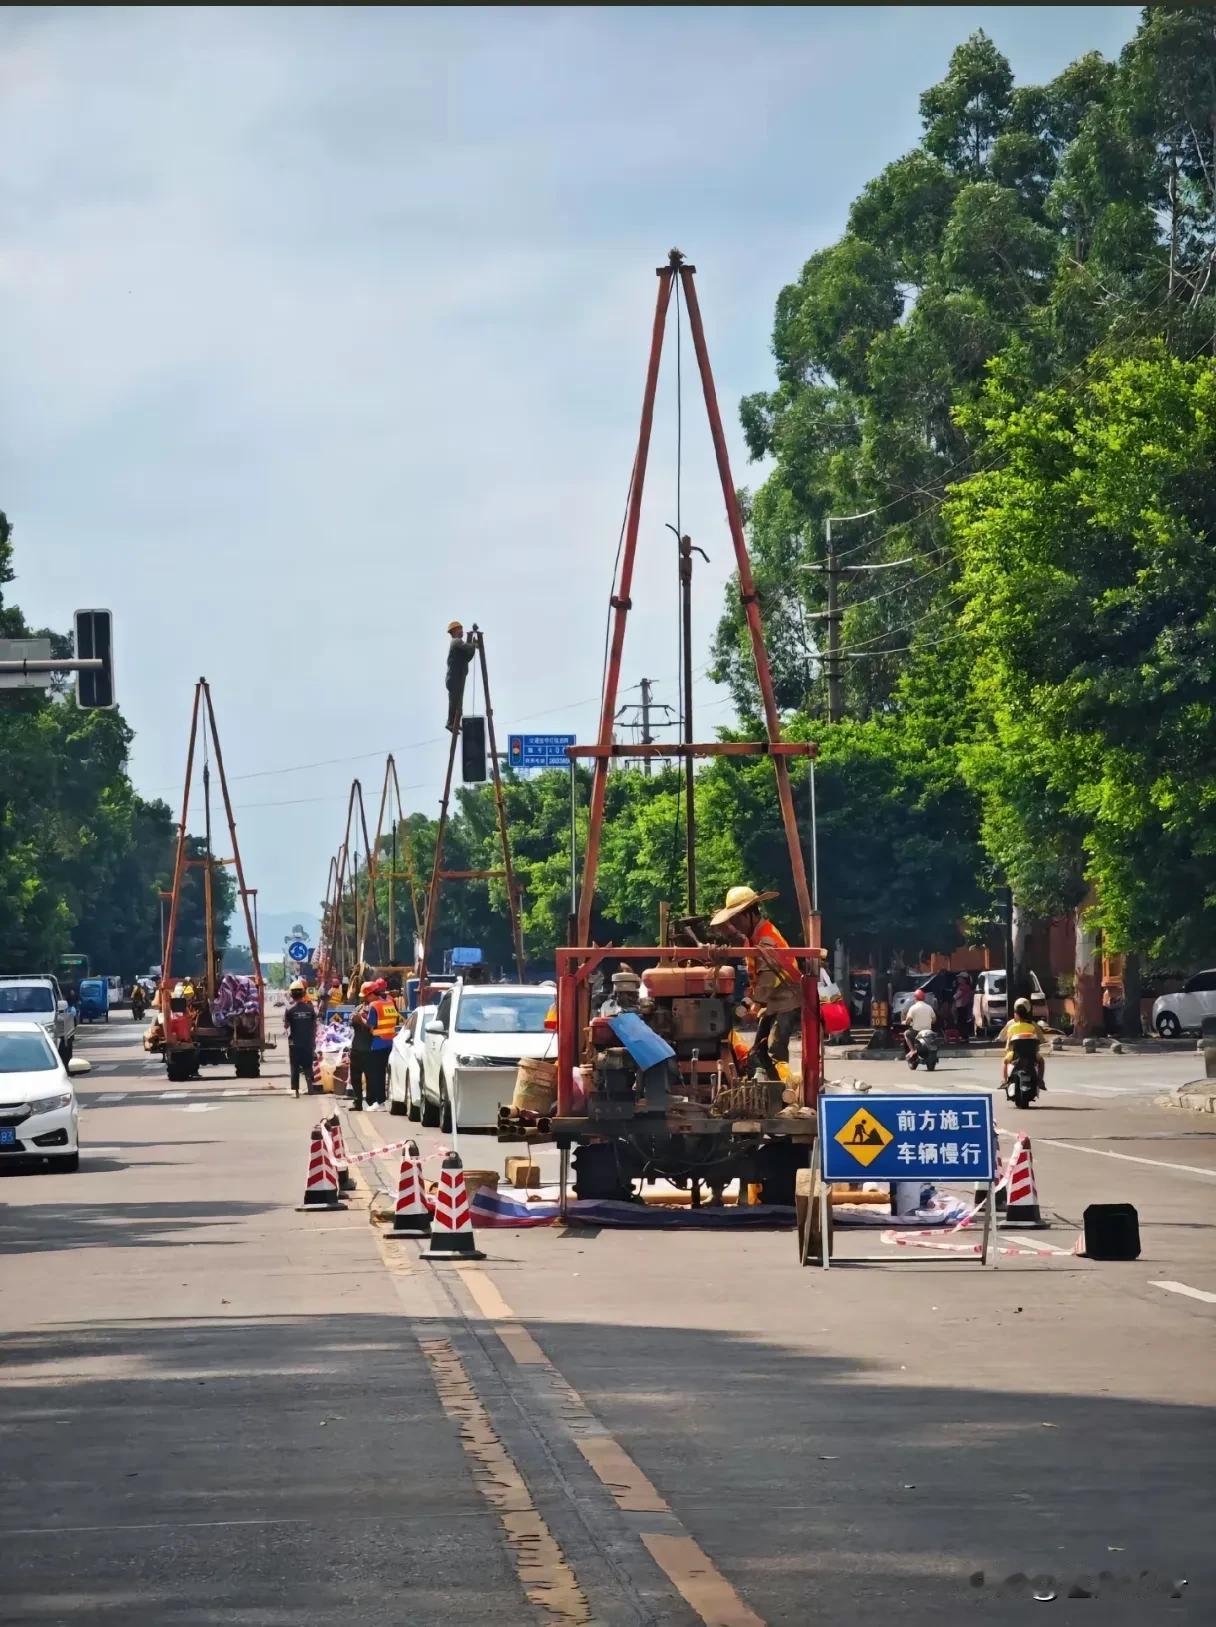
<point x="452" y="1226"/>
<point x="411" y="1216"/>
<point x="346" y="1181"/>
<point x="321" y="1186"/>
<point x="1002" y="1182"/>
<point x="316" y="1074"/>
<point x="1023" y="1206"/>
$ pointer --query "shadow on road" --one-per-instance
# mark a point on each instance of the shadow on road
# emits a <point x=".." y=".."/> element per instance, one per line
<point x="50" y="1228"/>
<point x="281" y="1470"/>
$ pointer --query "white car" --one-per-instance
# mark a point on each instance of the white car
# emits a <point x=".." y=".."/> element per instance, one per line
<point x="38" y="1115"/>
<point x="39" y="996"/>
<point x="405" y="1064"/>
<point x="990" y="1007"/>
<point x="473" y="1045"/>
<point x="1186" y="1009"/>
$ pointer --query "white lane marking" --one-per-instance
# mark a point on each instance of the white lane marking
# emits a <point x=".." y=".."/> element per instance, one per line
<point x="113" y="1096"/>
<point x="1183" y="1288"/>
<point x="202" y="1107"/>
<point x="1066" y="1146"/>
<point x="1023" y="1241"/>
<point x="234" y="1093"/>
<point x="1128" y="1158"/>
<point x="173" y="1095"/>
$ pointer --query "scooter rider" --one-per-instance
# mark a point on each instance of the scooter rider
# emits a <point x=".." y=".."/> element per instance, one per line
<point x="918" y="1019"/>
<point x="1023" y="1034"/>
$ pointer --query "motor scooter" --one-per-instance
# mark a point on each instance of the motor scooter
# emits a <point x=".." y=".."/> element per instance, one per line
<point x="1022" y="1081"/>
<point x="925" y="1046"/>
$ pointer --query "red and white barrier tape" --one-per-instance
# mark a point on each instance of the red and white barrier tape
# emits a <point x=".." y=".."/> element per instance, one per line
<point x="392" y="1146"/>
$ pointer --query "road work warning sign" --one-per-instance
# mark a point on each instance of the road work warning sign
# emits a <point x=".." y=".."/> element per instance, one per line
<point x="906" y="1138"/>
<point x="863" y="1137"/>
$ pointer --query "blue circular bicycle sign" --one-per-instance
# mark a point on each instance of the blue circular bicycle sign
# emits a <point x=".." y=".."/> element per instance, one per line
<point x="298" y="950"/>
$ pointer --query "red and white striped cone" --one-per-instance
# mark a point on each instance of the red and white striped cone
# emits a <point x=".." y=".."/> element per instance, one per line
<point x="346" y="1182"/>
<point x="411" y="1216"/>
<point x="1023" y="1207"/>
<point x="316" y="1073"/>
<point x="1002" y="1181"/>
<point x="321" y="1186"/>
<point x="452" y="1226"/>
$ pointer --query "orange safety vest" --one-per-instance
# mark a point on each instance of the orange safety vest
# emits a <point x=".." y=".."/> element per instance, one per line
<point x="386" y="1019"/>
<point x="775" y="978"/>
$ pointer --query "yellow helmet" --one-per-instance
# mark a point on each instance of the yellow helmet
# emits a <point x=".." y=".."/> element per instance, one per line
<point x="297" y="987"/>
<point x="739" y="899"/>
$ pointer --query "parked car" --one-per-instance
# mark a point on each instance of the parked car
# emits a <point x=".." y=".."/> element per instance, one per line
<point x="405" y="1064"/>
<point x="473" y="1045"/>
<point x="990" y="1008"/>
<point x="939" y="986"/>
<point x="38" y="995"/>
<point x="38" y="1114"/>
<point x="1175" y="1013"/>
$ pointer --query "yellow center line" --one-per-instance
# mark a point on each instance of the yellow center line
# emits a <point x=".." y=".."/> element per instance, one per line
<point x="544" y="1574"/>
<point x="685" y="1563"/>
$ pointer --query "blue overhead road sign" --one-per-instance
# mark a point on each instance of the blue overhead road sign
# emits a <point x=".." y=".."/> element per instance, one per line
<point x="539" y="750"/>
<point x="298" y="950"/>
<point x="906" y="1138"/>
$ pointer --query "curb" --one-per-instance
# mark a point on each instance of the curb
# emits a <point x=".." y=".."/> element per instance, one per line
<point x="1199" y="1096"/>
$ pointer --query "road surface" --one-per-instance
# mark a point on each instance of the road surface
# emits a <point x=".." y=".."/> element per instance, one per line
<point x="219" y="1410"/>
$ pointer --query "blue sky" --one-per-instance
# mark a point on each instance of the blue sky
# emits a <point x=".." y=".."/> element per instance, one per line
<point x="323" y="327"/>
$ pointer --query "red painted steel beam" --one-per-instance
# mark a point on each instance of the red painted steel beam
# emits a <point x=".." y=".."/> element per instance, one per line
<point x="747" y="593"/>
<point x="620" y="603"/>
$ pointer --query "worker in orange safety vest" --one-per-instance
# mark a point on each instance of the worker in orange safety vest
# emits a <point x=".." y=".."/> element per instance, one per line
<point x="776" y="988"/>
<point x="383" y="1021"/>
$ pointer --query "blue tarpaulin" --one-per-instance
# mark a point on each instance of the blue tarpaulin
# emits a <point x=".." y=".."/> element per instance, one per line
<point x="646" y="1047"/>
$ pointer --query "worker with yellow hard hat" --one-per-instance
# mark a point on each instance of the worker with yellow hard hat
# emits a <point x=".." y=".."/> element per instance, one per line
<point x="300" y="1022"/>
<point x="775" y="990"/>
<point x="461" y="651"/>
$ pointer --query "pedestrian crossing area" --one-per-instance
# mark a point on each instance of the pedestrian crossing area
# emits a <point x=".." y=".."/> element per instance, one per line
<point x="187" y="1101"/>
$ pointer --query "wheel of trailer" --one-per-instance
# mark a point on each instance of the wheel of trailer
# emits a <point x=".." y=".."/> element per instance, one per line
<point x="777" y="1166"/>
<point x="248" y="1064"/>
<point x="179" y="1065"/>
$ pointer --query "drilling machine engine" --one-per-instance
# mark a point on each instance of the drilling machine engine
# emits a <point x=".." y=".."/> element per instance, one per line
<point x="692" y="1008"/>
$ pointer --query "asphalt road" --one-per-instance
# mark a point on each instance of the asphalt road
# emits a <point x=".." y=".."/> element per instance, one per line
<point x="219" y="1410"/>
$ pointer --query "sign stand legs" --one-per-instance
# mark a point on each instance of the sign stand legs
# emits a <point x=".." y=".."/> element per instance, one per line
<point x="825" y="1221"/>
<point x="989" y="1211"/>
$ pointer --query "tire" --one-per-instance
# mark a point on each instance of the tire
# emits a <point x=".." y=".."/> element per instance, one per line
<point x="413" y="1108"/>
<point x="931" y="1063"/>
<point x="67" y="1165"/>
<point x="914" y="1063"/>
<point x="396" y="1108"/>
<point x="445" y="1109"/>
<point x="248" y="1064"/>
<point x="430" y="1113"/>
<point x="1167" y="1025"/>
<point x="181" y="1066"/>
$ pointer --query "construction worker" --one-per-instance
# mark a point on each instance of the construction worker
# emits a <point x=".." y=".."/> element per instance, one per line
<point x="361" y="1048"/>
<point x="776" y="989"/>
<point x="461" y="651"/>
<point x="384" y="1021"/>
<point x="300" y="1021"/>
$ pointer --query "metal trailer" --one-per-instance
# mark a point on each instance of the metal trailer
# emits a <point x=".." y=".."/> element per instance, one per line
<point x="187" y="1046"/>
<point x="628" y="1124"/>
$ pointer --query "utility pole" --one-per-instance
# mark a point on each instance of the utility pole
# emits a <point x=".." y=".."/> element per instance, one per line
<point x="832" y="614"/>
<point x="647" y="737"/>
<point x="690" y="810"/>
<point x="642" y="712"/>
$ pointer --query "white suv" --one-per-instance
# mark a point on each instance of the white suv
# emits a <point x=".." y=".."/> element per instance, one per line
<point x="1186" y="1009"/>
<point x="38" y="997"/>
<point x="990" y="1008"/>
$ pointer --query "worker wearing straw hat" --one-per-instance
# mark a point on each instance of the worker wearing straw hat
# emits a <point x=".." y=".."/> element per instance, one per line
<point x="776" y="991"/>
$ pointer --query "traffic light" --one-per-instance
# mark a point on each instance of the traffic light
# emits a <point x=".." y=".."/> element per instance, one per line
<point x="95" y="640"/>
<point x="473" y="750"/>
